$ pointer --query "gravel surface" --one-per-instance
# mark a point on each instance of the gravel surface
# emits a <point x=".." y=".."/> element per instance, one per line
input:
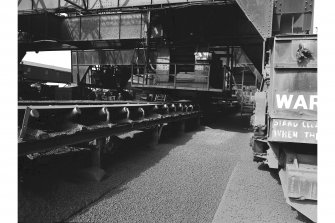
<point x="203" y="176"/>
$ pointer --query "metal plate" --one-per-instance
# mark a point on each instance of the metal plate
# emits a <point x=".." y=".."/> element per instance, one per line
<point x="109" y="27"/>
<point x="132" y="26"/>
<point x="299" y="131"/>
<point x="260" y="15"/>
<point x="293" y="93"/>
<point x="286" y="52"/>
<point x="260" y="110"/>
<point x="89" y="28"/>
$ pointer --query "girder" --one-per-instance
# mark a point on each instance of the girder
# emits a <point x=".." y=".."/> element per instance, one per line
<point x="31" y="5"/>
<point x="242" y="24"/>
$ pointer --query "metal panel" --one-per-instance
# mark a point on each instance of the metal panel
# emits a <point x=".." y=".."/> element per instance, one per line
<point x="255" y="54"/>
<point x="131" y="26"/>
<point x="109" y="27"/>
<point x="45" y="4"/>
<point x="104" y="27"/>
<point x="289" y="6"/>
<point x="298" y="131"/>
<point x="260" y="110"/>
<point x="260" y="15"/>
<point x="293" y="16"/>
<point x="129" y="3"/>
<point x="107" y="57"/>
<point x="90" y="28"/>
<point x="100" y="4"/>
<point x="71" y="29"/>
<point x="25" y="5"/>
<point x="78" y="76"/>
<point x="294" y="81"/>
<point x="286" y="52"/>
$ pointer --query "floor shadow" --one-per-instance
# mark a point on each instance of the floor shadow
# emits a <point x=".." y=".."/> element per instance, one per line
<point x="230" y="122"/>
<point x="47" y="186"/>
<point x="273" y="172"/>
<point x="302" y="217"/>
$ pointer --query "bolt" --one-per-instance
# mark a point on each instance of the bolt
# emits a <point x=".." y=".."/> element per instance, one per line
<point x="34" y="113"/>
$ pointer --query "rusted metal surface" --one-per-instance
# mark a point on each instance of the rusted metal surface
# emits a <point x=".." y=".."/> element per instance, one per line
<point x="287" y="48"/>
<point x="260" y="15"/>
<point x="293" y="16"/>
<point x="299" y="182"/>
<point x="294" y="78"/>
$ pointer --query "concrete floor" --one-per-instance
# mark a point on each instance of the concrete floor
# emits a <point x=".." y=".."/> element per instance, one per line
<point x="202" y="176"/>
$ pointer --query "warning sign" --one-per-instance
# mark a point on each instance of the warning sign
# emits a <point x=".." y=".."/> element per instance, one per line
<point x="301" y="131"/>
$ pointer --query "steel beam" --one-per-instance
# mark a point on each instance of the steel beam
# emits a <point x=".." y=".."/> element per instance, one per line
<point x="31" y="5"/>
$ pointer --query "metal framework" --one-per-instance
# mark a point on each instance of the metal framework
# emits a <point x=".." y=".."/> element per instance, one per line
<point x="83" y="121"/>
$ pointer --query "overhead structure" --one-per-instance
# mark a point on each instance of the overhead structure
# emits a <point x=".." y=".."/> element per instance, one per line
<point x="125" y="24"/>
<point x="188" y="48"/>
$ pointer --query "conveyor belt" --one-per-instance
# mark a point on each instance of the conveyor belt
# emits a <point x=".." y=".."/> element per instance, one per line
<point x="44" y="126"/>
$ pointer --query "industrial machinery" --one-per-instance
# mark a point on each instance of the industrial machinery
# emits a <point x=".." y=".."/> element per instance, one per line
<point x="186" y="49"/>
<point x="285" y="117"/>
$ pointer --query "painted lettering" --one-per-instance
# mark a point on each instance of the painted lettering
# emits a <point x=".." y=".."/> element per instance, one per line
<point x="283" y="100"/>
<point x="275" y="122"/>
<point x="285" y="134"/>
<point x="311" y="135"/>
<point x="296" y="101"/>
<point x="287" y="123"/>
<point x="312" y="101"/>
<point x="300" y="102"/>
<point x="308" y="125"/>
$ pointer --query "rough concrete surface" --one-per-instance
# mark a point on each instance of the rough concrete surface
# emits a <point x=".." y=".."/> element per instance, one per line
<point x="202" y="176"/>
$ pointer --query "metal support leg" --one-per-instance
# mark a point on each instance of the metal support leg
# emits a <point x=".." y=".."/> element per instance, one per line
<point x="25" y="123"/>
<point x="156" y="135"/>
<point x="181" y="128"/>
<point x="197" y="122"/>
<point x="96" y="153"/>
<point x="94" y="173"/>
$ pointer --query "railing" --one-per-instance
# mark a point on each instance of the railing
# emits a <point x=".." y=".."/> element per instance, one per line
<point x="172" y="75"/>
